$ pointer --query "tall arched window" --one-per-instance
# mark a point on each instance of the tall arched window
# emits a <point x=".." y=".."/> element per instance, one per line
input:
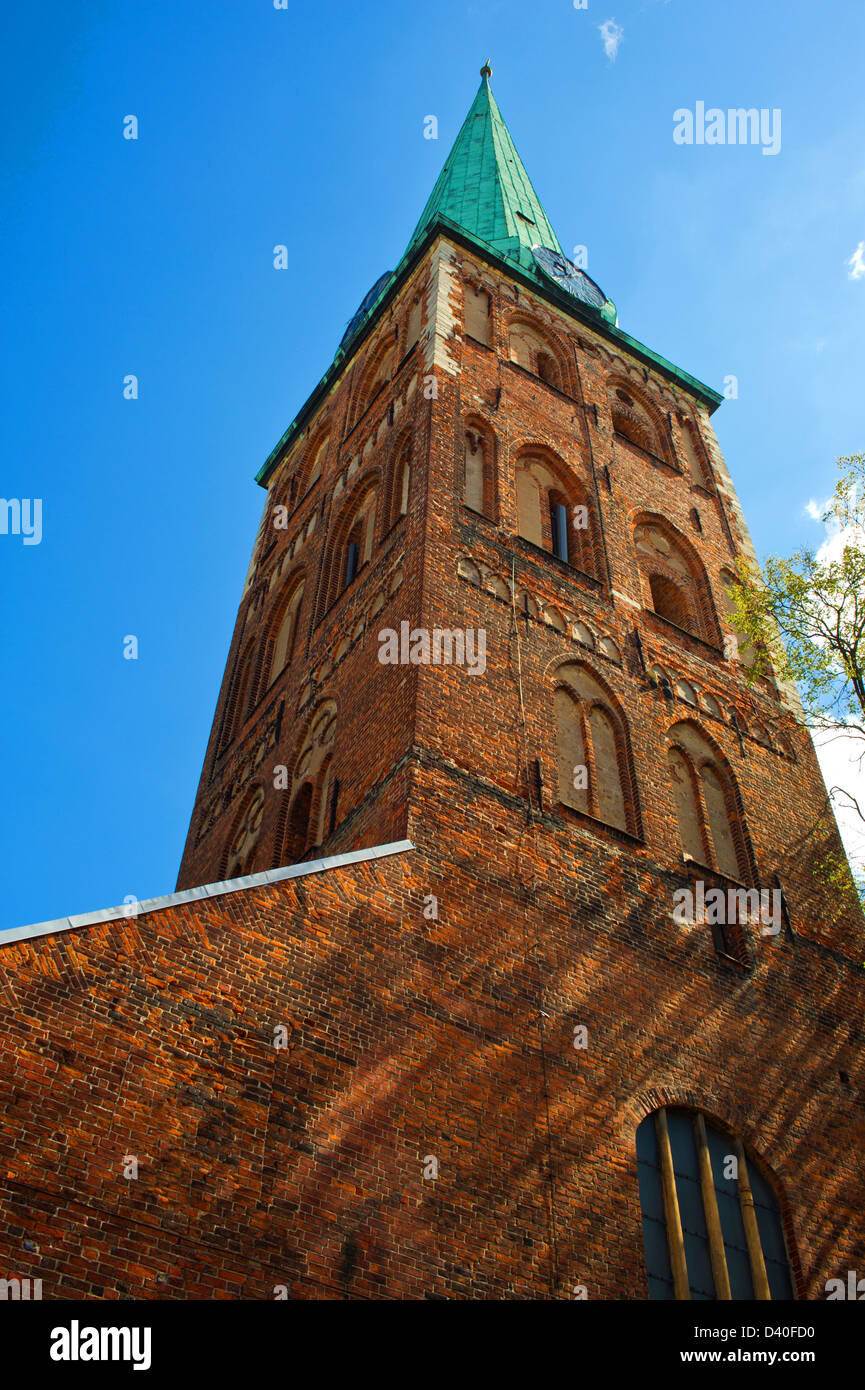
<point x="687" y="810"/>
<point x="711" y="829"/>
<point x="676" y="586"/>
<point x="354" y="542"/>
<point x="284" y="639"/>
<point x="479" y="477"/>
<point x="712" y="1224"/>
<point x="553" y="512"/>
<point x="594" y="764"/>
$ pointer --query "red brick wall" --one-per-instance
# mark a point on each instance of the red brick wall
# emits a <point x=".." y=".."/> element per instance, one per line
<point x="408" y="1037"/>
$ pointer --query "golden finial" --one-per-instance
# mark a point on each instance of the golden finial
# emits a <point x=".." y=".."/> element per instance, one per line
<point x="486" y="70"/>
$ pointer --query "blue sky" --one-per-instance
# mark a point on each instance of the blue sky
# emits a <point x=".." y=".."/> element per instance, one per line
<point x="305" y="126"/>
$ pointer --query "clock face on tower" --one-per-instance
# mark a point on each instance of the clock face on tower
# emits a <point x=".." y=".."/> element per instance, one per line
<point x="365" y="307"/>
<point x="568" y="277"/>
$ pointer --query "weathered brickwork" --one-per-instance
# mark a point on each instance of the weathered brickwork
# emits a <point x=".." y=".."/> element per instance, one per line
<point x="409" y="1037"/>
<point x="431" y="997"/>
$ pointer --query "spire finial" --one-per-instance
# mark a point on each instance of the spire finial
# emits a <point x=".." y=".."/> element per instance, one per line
<point x="486" y="70"/>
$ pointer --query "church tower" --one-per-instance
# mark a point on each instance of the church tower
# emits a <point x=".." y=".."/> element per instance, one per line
<point x="487" y="612"/>
<point x="498" y="965"/>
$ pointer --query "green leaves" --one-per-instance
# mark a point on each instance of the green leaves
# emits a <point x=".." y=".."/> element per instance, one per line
<point x="804" y="618"/>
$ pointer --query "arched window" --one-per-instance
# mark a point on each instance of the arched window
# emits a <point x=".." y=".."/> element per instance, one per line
<point x="559" y="525"/>
<point x="477" y="313"/>
<point x="244" y="839"/>
<point x="593" y="759"/>
<point x="304" y="822"/>
<point x="354" y="544"/>
<point x="711" y="828"/>
<point x="635" y="422"/>
<point x="554" y="514"/>
<point x="399" y="482"/>
<point x="479" y="484"/>
<point x="712" y="1224"/>
<point x="283" y="642"/>
<point x="676" y="587"/>
<point x="532" y="352"/>
<point x="404" y="482"/>
<point x="687" y="810"/>
<point x="373" y="378"/>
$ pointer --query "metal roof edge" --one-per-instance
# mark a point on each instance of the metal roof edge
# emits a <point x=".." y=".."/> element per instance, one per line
<point x="130" y="911"/>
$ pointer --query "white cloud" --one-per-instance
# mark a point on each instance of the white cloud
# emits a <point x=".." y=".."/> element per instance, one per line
<point x="856" y="263"/>
<point x="815" y="509"/>
<point x="612" y="35"/>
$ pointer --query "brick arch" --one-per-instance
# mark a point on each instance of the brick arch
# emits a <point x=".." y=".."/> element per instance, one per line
<point x="586" y="701"/>
<point x="239" y="850"/>
<point x="296" y="578"/>
<point x="721" y="1108"/>
<point x="312" y="463"/>
<point x="681" y="567"/>
<point x="645" y="422"/>
<point x="373" y="375"/>
<point x="723" y="1112"/>
<point x="542" y="476"/>
<point x="241" y="692"/>
<point x="717" y="760"/>
<point x="368" y="482"/>
<point x="309" y="767"/>
<point x="400" y="451"/>
<point x="477" y="466"/>
<point x="541" y="339"/>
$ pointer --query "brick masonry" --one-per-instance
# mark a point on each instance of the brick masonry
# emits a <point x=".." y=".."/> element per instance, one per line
<point x="451" y="1036"/>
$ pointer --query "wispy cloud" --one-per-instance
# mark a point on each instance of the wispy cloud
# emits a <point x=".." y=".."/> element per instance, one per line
<point x="612" y="35"/>
<point x="816" y="510"/>
<point x="856" y="264"/>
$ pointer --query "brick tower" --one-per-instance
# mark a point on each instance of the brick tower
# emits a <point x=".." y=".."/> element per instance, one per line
<point x="493" y="827"/>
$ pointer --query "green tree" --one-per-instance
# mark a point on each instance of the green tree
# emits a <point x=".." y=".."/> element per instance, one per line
<point x="805" y="617"/>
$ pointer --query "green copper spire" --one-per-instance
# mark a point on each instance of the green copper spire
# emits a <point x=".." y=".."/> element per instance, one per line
<point x="485" y="189"/>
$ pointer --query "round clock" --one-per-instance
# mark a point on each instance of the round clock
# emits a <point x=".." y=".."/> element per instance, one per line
<point x="366" y="305"/>
<point x="569" y="277"/>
